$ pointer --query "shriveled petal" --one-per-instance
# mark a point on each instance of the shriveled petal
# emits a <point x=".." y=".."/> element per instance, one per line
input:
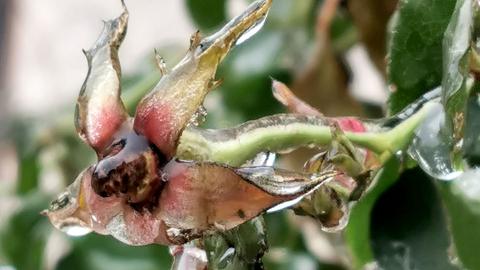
<point x="163" y="114"/>
<point x="201" y="197"/>
<point x="100" y="111"/>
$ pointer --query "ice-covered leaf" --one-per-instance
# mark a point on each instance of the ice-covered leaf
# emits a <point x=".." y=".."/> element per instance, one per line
<point x="456" y="44"/>
<point x="462" y="200"/>
<point x="415" y="49"/>
<point x="207" y="14"/>
<point x="408" y="226"/>
<point x="431" y="146"/>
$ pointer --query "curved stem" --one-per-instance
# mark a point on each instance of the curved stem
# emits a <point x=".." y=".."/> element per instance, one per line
<point x="278" y="133"/>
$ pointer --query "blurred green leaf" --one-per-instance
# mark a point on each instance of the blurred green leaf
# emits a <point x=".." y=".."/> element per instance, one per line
<point x="462" y="200"/>
<point x="357" y="232"/>
<point x="247" y="85"/>
<point x="282" y="234"/>
<point x="415" y="49"/>
<point x="408" y="226"/>
<point x="28" y="172"/>
<point x="22" y="133"/>
<point x="104" y="253"/>
<point x="207" y="14"/>
<point x="23" y="240"/>
<point x="287" y="248"/>
<point x="286" y="260"/>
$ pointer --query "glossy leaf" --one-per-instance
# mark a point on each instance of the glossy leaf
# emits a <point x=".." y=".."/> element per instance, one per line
<point x="408" y="226"/>
<point x="462" y="200"/>
<point x="415" y="49"/>
<point x="456" y="44"/>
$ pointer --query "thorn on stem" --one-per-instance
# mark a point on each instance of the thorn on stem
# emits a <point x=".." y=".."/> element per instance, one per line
<point x="161" y="65"/>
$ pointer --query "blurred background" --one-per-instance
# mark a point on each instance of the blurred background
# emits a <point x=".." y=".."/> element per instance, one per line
<point x="321" y="49"/>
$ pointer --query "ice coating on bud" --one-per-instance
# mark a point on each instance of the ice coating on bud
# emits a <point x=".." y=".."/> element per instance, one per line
<point x="100" y="111"/>
<point x="325" y="204"/>
<point x="207" y="197"/>
<point x="164" y="113"/>
<point x="431" y="148"/>
<point x="195" y="199"/>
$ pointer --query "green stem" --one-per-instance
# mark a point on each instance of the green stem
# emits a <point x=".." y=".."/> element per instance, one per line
<point x="236" y="149"/>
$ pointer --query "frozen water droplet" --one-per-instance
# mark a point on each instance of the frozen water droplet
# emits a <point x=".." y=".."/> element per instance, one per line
<point x="252" y="30"/>
<point x="76" y="230"/>
<point x="431" y="148"/>
<point x="198" y="117"/>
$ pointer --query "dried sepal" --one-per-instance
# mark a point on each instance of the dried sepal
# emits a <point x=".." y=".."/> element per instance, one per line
<point x="100" y="111"/>
<point x="202" y="197"/>
<point x="294" y="104"/>
<point x="163" y="114"/>
<point x="196" y="199"/>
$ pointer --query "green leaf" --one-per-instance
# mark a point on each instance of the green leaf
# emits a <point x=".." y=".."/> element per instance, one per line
<point x="462" y="200"/>
<point x="357" y="232"/>
<point x="415" y="49"/>
<point x="24" y="135"/>
<point x="247" y="85"/>
<point x="408" y="226"/>
<point x="207" y="14"/>
<point x="103" y="253"/>
<point x="23" y="240"/>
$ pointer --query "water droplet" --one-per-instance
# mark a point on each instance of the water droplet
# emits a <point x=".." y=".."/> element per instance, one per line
<point x="252" y="30"/>
<point x="76" y="230"/>
<point x="431" y="147"/>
